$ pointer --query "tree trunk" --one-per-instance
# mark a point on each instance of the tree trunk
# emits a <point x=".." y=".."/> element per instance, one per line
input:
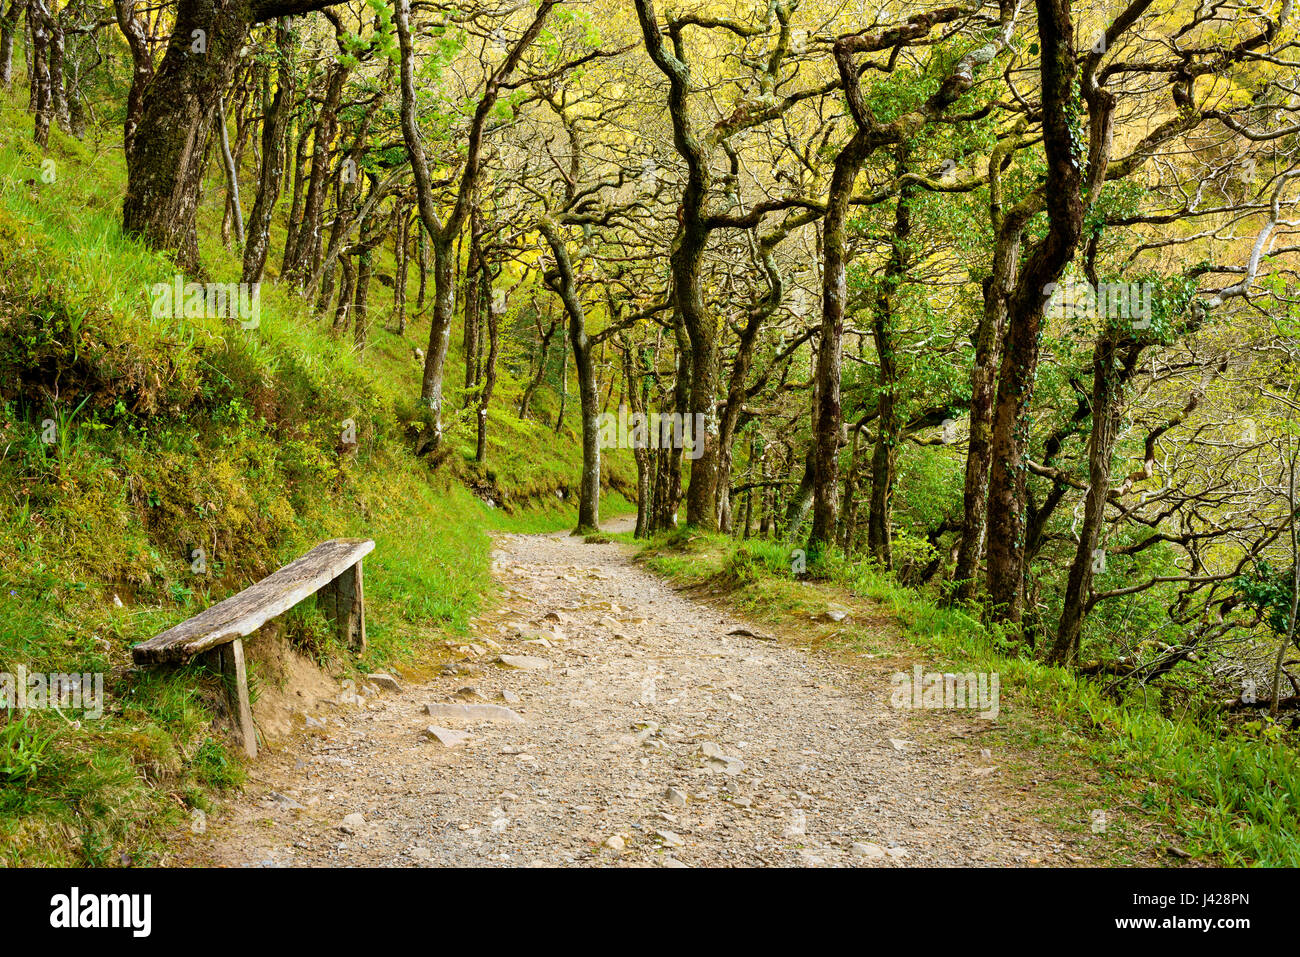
<point x="749" y="494"/>
<point x="564" y="383"/>
<point x="729" y="423"/>
<point x="344" y="217"/>
<point x="702" y="492"/>
<point x="671" y="460"/>
<point x="58" y="90"/>
<point x="179" y="107"/>
<point x="342" y="311"/>
<point x="42" y="97"/>
<point x="489" y="367"/>
<point x="275" y="122"/>
<point x="435" y="361"/>
<point x="401" y="264"/>
<point x="589" y="489"/>
<point x="307" y="251"/>
<point x="539" y="374"/>
<point x="1008" y="229"/>
<point x="236" y="211"/>
<point x="796" y="510"/>
<point x="686" y="261"/>
<point x="564" y="285"/>
<point x="884" y="456"/>
<point x="829" y="417"/>
<point x="9" y="26"/>
<point x="849" y="506"/>
<point x="361" y="311"/>
<point x="642" y="455"/>
<point x="474" y="304"/>
<point x="422" y="262"/>
<point x="988" y="338"/>
<point x="1062" y="191"/>
<point x="879" y="519"/>
<point x="1101" y="444"/>
<point x="294" y="225"/>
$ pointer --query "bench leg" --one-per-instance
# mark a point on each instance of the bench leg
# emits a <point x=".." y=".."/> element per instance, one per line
<point x="229" y="661"/>
<point x="343" y="602"/>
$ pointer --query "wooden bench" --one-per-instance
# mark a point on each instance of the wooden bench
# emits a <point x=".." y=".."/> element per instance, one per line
<point x="331" y="571"/>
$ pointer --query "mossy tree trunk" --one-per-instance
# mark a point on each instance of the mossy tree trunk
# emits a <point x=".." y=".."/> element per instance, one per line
<point x="178" y="112"/>
<point x="9" y="26"/>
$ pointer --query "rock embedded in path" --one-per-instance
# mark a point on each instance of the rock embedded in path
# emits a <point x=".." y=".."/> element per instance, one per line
<point x="670" y="838"/>
<point x="509" y="697"/>
<point x="284" y="801"/>
<point x="716" y="760"/>
<point x="346" y="698"/>
<point x="447" y="737"/>
<point x="675" y="797"/>
<point x="872" y="852"/>
<point x="385" y="681"/>
<point x="835" y="613"/>
<point x="472" y="712"/>
<point x="353" y="823"/>
<point x="524" y="662"/>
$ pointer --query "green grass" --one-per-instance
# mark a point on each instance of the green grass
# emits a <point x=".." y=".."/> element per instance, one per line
<point x="1230" y="797"/>
<point x="173" y="435"/>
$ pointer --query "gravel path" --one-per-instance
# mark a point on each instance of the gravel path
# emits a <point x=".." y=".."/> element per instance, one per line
<point x="649" y="736"/>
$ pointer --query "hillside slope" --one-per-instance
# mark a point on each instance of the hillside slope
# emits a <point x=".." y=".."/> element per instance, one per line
<point x="150" y="466"/>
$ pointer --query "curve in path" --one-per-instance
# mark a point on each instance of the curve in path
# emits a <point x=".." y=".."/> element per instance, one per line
<point x="649" y="736"/>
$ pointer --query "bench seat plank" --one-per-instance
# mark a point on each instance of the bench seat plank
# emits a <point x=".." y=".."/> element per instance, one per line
<point x="243" y="613"/>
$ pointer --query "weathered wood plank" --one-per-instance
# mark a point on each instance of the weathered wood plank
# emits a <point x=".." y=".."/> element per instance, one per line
<point x="245" y="612"/>
<point x="352" y="609"/>
<point x="236" y="676"/>
<point x="327" y="600"/>
<point x="343" y="602"/>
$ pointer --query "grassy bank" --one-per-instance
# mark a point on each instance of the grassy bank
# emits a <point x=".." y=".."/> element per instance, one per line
<point x="1177" y="778"/>
<point x="150" y="466"/>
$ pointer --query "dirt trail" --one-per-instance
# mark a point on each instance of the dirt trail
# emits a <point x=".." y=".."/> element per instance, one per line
<point x="653" y="737"/>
